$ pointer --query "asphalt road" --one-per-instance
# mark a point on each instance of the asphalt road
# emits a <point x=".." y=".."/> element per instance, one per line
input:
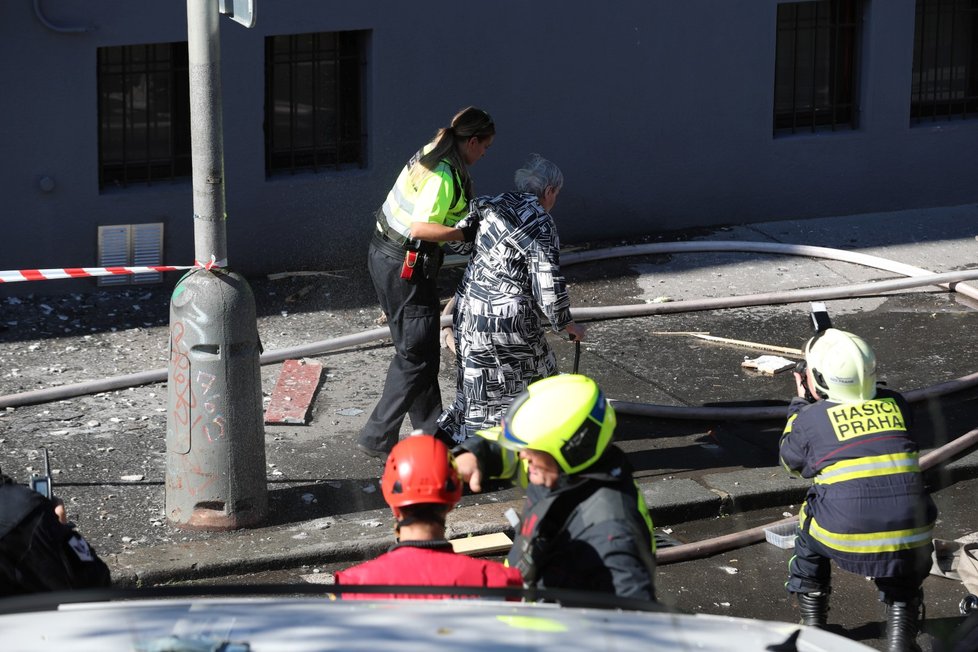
<point x="108" y="449"/>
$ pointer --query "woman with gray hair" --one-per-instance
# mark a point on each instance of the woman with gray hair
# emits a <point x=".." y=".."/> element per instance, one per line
<point x="512" y="284"/>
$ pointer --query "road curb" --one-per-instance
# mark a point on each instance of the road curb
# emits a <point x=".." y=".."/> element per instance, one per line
<point x="363" y="535"/>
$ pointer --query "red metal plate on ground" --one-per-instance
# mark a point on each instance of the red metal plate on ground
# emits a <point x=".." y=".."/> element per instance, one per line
<point x="296" y="385"/>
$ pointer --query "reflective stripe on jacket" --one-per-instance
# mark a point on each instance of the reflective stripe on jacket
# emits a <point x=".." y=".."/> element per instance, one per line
<point x="871" y="542"/>
<point x="439" y="198"/>
<point x="593" y="531"/>
<point x="866" y="467"/>
<point x="867" y="503"/>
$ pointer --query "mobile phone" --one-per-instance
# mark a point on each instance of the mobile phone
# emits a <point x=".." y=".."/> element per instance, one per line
<point x="820" y="317"/>
<point x="42" y="485"/>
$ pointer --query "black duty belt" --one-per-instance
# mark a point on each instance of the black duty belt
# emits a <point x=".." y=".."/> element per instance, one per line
<point x="389" y="233"/>
<point x="387" y="246"/>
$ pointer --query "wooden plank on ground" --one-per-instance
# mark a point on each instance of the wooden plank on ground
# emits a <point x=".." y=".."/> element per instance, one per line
<point x="294" y="390"/>
<point x="482" y="544"/>
<point x="759" y="346"/>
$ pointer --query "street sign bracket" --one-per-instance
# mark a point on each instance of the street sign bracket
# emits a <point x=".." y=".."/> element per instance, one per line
<point x="240" y="11"/>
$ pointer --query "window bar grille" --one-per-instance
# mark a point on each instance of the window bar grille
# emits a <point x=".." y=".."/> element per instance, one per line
<point x="918" y="72"/>
<point x="836" y="23"/>
<point x="794" y="74"/>
<point x="338" y="65"/>
<point x="813" y="99"/>
<point x="309" y="133"/>
<point x="102" y="119"/>
<point x="124" y="130"/>
<point x="969" y="94"/>
<point x="269" y="115"/>
<point x="171" y="153"/>
<point x="942" y="75"/>
<point x="360" y="65"/>
<point x="938" y="77"/>
<point x="293" y="109"/>
<point x="835" y="27"/>
<point x="951" y="60"/>
<point x="315" y="65"/>
<point x="150" y="121"/>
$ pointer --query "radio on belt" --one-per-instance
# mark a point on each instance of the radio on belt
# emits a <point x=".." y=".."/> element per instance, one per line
<point x="410" y="260"/>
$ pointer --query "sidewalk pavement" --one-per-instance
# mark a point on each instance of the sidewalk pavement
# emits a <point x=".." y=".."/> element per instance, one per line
<point x="687" y="470"/>
<point x="365" y="535"/>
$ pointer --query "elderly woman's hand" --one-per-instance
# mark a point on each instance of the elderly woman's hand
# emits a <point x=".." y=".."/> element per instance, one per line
<point x="468" y="468"/>
<point x="576" y="331"/>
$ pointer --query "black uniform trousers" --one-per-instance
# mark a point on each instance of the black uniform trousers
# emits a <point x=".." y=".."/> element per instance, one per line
<point x="411" y="387"/>
<point x="811" y="570"/>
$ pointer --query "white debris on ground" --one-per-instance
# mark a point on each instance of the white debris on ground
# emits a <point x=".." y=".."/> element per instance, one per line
<point x="768" y="364"/>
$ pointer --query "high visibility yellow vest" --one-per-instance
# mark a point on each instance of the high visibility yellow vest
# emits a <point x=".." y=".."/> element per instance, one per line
<point x="438" y="198"/>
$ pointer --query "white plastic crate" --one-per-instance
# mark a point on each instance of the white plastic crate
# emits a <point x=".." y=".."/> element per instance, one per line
<point x="783" y="536"/>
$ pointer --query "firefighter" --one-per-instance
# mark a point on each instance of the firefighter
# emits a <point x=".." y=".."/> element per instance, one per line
<point x="421" y="484"/>
<point x="427" y="205"/>
<point x="39" y="549"/>
<point x="868" y="508"/>
<point x="585" y="524"/>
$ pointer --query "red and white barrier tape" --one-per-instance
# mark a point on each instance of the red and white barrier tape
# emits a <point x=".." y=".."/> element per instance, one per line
<point x="212" y="263"/>
<point x="16" y="275"/>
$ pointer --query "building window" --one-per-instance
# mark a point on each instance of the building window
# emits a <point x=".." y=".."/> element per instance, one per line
<point x="314" y="102"/>
<point x="815" y="66"/>
<point x="143" y="114"/>
<point x="945" y="61"/>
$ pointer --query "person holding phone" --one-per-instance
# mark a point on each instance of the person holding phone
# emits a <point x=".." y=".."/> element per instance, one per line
<point x="868" y="510"/>
<point x="39" y="549"/>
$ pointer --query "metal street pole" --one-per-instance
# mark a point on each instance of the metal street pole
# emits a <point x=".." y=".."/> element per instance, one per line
<point x="215" y="436"/>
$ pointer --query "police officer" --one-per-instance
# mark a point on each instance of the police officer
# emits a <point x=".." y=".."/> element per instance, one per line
<point x="425" y="207"/>
<point x="868" y="508"/>
<point x="585" y="524"/>
<point x="421" y="484"/>
<point x="39" y="549"/>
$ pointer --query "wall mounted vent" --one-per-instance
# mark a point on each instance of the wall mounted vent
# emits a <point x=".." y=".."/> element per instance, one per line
<point x="127" y="245"/>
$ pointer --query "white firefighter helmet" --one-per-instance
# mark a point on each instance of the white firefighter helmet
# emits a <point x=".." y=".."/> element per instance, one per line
<point x="843" y="366"/>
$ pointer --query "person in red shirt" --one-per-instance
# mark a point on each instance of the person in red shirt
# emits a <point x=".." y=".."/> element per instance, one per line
<point x="421" y="484"/>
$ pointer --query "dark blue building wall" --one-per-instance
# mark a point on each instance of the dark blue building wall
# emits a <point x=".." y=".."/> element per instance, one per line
<point x="658" y="112"/>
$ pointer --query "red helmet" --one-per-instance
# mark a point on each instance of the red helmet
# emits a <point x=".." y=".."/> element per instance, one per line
<point x="420" y="469"/>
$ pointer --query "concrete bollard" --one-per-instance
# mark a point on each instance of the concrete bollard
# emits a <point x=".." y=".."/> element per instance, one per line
<point x="215" y="434"/>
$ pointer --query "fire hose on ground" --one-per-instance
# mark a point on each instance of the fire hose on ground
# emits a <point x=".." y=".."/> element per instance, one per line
<point x="916" y="277"/>
<point x="734" y="540"/>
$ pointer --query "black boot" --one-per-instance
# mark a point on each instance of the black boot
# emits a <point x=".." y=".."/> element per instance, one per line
<point x="902" y="626"/>
<point x="814" y="608"/>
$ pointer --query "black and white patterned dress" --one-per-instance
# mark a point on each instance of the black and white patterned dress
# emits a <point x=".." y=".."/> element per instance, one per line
<point x="512" y="284"/>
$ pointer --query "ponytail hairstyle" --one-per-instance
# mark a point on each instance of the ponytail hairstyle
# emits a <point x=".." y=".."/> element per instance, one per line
<point x="468" y="122"/>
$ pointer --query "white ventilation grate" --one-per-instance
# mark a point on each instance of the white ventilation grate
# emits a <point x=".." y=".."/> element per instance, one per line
<point x="123" y="245"/>
<point x="147" y="249"/>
